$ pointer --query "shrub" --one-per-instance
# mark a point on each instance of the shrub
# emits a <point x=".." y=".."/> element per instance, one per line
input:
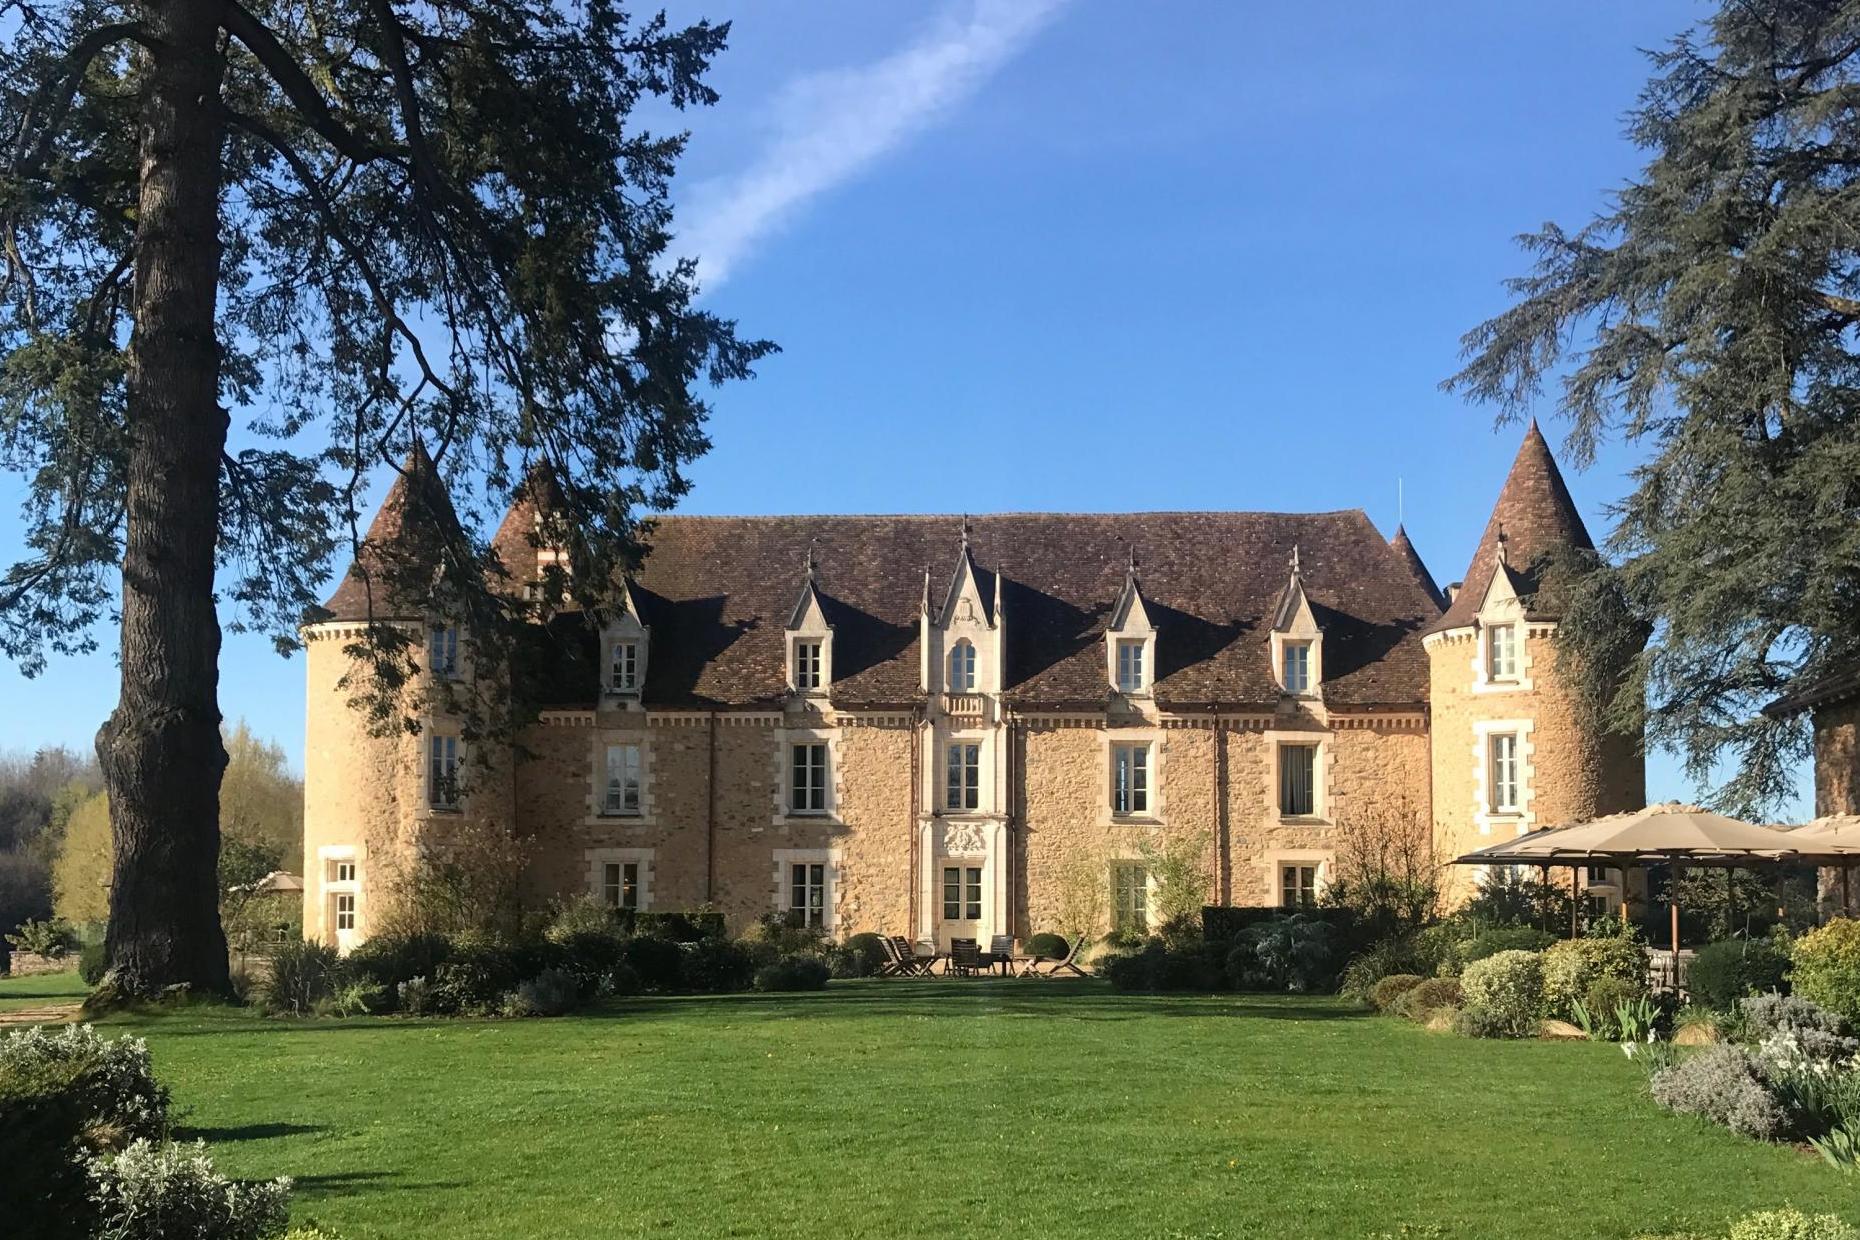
<point x="1763" y="1015"/>
<point x="166" y="1192"/>
<point x="473" y="980"/>
<point x="793" y="973"/>
<point x="720" y="967"/>
<point x="1429" y="997"/>
<point x="92" y="964"/>
<point x="622" y="981"/>
<point x="1297" y="953"/>
<point x="580" y="915"/>
<point x="1827" y="967"/>
<point x="863" y="955"/>
<point x="1724" y="972"/>
<point x="679" y="927"/>
<point x="416" y="996"/>
<point x="112" y="1081"/>
<point x="1157" y="966"/>
<point x="1604" y="999"/>
<point x="593" y="956"/>
<point x="1722" y="1084"/>
<point x="358" y="998"/>
<point x="1388" y="992"/>
<point x="1047" y="946"/>
<point x="54" y="939"/>
<point x="1504" y="994"/>
<point x="391" y="959"/>
<point x="1414" y="954"/>
<point x="553" y="992"/>
<point x="657" y="963"/>
<point x="43" y="1135"/>
<point x="1569" y="967"/>
<point x="1502" y="939"/>
<point x="304" y="974"/>
<point x="1791" y="1224"/>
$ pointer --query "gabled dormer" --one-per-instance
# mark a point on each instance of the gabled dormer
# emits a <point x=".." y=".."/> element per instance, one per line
<point x="1130" y="639"/>
<point x="1297" y="645"/>
<point x="808" y="639"/>
<point x="1500" y="623"/>
<point x="962" y="633"/>
<point x="625" y="646"/>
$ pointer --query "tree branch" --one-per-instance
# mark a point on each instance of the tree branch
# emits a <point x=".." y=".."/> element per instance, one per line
<point x="296" y="84"/>
<point x="58" y="90"/>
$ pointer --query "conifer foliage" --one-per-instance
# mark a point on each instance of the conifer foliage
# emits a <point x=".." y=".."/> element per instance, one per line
<point x="1709" y="315"/>
<point x="343" y="228"/>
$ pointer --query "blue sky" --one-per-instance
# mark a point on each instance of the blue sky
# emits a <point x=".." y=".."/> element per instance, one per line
<point x="1038" y="255"/>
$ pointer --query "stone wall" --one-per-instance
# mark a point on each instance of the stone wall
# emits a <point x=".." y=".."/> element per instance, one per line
<point x="1573" y="770"/>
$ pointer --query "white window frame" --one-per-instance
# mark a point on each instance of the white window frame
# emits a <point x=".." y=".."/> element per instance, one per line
<point x="1318" y="750"/>
<point x="962" y="775"/>
<point x="442" y="651"/>
<point x="616" y="886"/>
<point x="1300" y="869"/>
<point x="1299" y="651"/>
<point x="617" y="807"/>
<point x="1131" y="797"/>
<point x="785" y="859"/>
<point x="819" y="784"/>
<point x="965" y="895"/>
<point x="625" y="656"/>
<point x="1510" y="670"/>
<point x="598" y="859"/>
<point x="352" y="912"/>
<point x="1504" y="786"/>
<point x="808" y="659"/>
<point x="1133" y="670"/>
<point x="444" y="747"/>
<point x="960" y="668"/>
<point x="1487" y="816"/>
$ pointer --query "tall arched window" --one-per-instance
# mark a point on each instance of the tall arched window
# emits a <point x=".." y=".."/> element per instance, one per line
<point x="962" y="667"/>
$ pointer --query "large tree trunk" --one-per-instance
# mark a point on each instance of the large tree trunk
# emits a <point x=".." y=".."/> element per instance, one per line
<point x="161" y="750"/>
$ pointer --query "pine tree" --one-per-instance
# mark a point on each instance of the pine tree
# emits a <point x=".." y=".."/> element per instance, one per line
<point x="1709" y="316"/>
<point x="357" y="225"/>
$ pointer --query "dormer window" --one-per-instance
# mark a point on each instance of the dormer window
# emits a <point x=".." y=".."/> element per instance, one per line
<point x="624" y="669"/>
<point x="442" y="651"/>
<point x="1501" y="652"/>
<point x="1132" y="676"/>
<point x="1296" y="667"/>
<point x="962" y="667"/>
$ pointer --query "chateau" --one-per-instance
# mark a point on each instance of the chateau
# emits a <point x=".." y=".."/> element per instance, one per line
<point x="943" y="727"/>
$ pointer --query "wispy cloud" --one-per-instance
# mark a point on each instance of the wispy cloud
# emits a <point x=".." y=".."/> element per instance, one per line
<point x="828" y="126"/>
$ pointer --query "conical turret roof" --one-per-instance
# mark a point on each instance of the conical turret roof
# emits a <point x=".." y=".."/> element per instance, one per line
<point x="1411" y="560"/>
<point x="1534" y="517"/>
<point x="514" y="544"/>
<point x="417" y="502"/>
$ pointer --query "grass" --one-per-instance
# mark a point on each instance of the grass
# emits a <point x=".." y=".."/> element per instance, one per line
<point x="42" y="990"/>
<point x="949" y="1109"/>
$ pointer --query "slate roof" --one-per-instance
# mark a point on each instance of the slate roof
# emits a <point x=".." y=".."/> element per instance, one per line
<point x="1534" y="517"/>
<point x="1404" y="547"/>
<point x="717" y="591"/>
<point x="418" y="497"/>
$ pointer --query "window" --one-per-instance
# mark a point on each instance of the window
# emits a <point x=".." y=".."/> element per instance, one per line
<point x="620" y="884"/>
<point x="1501" y="652"/>
<point x="625" y="670"/>
<point x="1297" y="781"/>
<point x="962" y="667"/>
<point x="442" y="790"/>
<point x="1504" y="748"/>
<point x="1296" y="670"/>
<point x="1130" y="666"/>
<point x="965" y="776"/>
<point x="620" y="794"/>
<point x="807" y="665"/>
<point x="807" y="895"/>
<point x="1297" y="886"/>
<point x="1130" y="779"/>
<point x="342" y="871"/>
<point x="962" y="893"/>
<point x="1600" y="876"/>
<point x="808" y="789"/>
<point x="442" y="651"/>
<point x="345" y="911"/>
<point x="1130" y="898"/>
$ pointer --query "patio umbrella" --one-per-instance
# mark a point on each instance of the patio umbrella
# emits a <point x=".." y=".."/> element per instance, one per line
<point x="1669" y="833"/>
<point x="1835" y="840"/>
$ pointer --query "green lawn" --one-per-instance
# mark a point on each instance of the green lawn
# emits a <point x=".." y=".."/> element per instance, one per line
<point x="41" y="991"/>
<point x="950" y="1109"/>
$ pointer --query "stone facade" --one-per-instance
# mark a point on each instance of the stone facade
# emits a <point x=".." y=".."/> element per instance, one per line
<point x="1837" y="757"/>
<point x="1081" y="744"/>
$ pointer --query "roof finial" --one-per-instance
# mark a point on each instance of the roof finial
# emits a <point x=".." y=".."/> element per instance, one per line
<point x="810" y="558"/>
<point x="965" y="531"/>
<point x="1295" y="569"/>
<point x="1504" y="554"/>
<point x="1132" y="569"/>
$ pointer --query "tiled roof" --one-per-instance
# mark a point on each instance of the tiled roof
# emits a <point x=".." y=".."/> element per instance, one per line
<point x="717" y="591"/>
<point x="1403" y="546"/>
<point x="417" y="497"/>
<point x="1534" y="517"/>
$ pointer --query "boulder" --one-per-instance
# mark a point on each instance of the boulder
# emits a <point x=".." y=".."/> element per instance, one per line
<point x="1702" y="1034"/>
<point x="1561" y="1031"/>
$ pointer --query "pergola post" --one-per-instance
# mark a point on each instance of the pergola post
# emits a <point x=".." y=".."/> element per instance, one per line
<point x="1575" y="901"/>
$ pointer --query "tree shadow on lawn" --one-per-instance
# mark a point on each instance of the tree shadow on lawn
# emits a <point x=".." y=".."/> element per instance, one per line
<point x="340" y="1183"/>
<point x="245" y="1132"/>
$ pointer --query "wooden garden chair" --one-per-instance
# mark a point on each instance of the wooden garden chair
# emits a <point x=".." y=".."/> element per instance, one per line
<point x="1000" y="953"/>
<point x="1069" y="963"/>
<point x="911" y="964"/>
<point x="965" y="958"/>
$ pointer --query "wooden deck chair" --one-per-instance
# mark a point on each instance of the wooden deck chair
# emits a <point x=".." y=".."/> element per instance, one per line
<point x="965" y="958"/>
<point x="1001" y="952"/>
<point x="913" y="964"/>
<point x="1069" y="963"/>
